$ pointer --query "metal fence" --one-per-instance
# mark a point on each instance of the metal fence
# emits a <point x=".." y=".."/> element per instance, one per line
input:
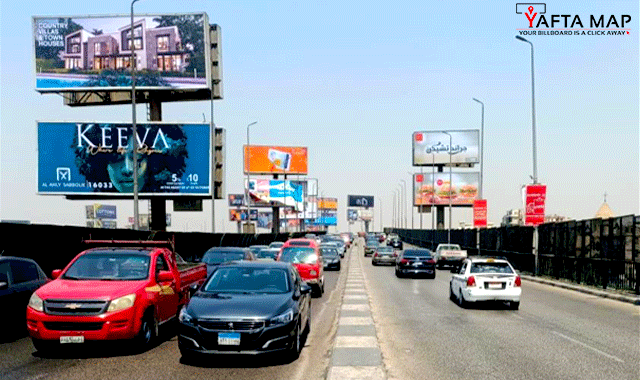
<point x="597" y="252"/>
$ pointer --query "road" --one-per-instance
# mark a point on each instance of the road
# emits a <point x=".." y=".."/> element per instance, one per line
<point x="19" y="360"/>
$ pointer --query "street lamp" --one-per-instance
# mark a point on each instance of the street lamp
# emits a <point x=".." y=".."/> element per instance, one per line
<point x="413" y="194"/>
<point x="481" y="146"/>
<point x="399" y="190"/>
<point x="136" y="214"/>
<point x="533" y="115"/>
<point x="404" y="201"/>
<point x="450" y="182"/>
<point x="248" y="166"/>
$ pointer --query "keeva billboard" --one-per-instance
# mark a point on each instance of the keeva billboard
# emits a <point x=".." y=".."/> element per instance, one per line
<point x="88" y="158"/>
<point x="275" y="159"/>
<point x="479" y="213"/>
<point x="535" y="198"/>
<point x="88" y="52"/>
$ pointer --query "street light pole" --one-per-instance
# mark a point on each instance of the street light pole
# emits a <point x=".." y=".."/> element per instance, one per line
<point x="450" y="182"/>
<point x="404" y="201"/>
<point x="533" y="115"/>
<point x="481" y="147"/>
<point x="136" y="211"/>
<point x="412" y="188"/>
<point x="393" y="221"/>
<point x="248" y="167"/>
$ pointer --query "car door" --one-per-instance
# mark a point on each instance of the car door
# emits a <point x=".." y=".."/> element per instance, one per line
<point x="457" y="279"/>
<point x="168" y="295"/>
<point x="304" y="302"/>
<point x="25" y="279"/>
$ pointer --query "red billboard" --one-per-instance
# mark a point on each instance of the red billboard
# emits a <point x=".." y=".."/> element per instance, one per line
<point x="535" y="196"/>
<point x="479" y="213"/>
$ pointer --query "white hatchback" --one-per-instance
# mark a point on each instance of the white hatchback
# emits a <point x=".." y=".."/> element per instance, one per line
<point x="486" y="279"/>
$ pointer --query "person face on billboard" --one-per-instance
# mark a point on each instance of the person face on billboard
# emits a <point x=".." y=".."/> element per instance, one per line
<point x="104" y="156"/>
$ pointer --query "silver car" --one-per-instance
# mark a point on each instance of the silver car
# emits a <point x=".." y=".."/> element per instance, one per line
<point x="384" y="255"/>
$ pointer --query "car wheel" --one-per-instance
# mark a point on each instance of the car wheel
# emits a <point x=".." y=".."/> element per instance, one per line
<point x="43" y="346"/>
<point x="398" y="273"/>
<point x="374" y="263"/>
<point x="433" y="276"/>
<point x="513" y="305"/>
<point x="147" y="333"/>
<point x="294" y="350"/>
<point x="322" y="286"/>
<point x="452" y="296"/>
<point x="339" y="266"/>
<point x="462" y="302"/>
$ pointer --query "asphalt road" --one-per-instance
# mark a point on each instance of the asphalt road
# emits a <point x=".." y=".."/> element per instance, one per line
<point x="19" y="360"/>
<point x="556" y="334"/>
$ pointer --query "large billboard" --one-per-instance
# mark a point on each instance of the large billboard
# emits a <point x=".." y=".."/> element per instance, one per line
<point x="272" y="192"/>
<point x="236" y="200"/>
<point x="328" y="203"/>
<point x="432" y="147"/>
<point x="360" y="201"/>
<point x="535" y="199"/>
<point x="97" y="158"/>
<point x="238" y="215"/>
<point x="80" y="53"/>
<point x="430" y="189"/>
<point x="352" y="214"/>
<point x="275" y="159"/>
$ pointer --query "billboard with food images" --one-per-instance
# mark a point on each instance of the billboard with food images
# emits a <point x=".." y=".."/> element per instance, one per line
<point x="437" y="189"/>
<point x="443" y="147"/>
<point x="275" y="159"/>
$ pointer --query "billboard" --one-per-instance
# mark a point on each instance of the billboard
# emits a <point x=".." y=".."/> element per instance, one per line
<point x="430" y="189"/>
<point x="236" y="200"/>
<point x="265" y="219"/>
<point x="104" y="211"/>
<point x="97" y="158"/>
<point x="432" y="147"/>
<point x="328" y="203"/>
<point x="365" y="215"/>
<point x="80" y="53"/>
<point x="352" y="214"/>
<point x="273" y="192"/>
<point x="479" y="213"/>
<point x="535" y="198"/>
<point x="327" y="218"/>
<point x="360" y="201"/>
<point x="275" y="160"/>
<point x="237" y="215"/>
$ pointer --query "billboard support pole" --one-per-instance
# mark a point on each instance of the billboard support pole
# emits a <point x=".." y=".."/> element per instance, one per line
<point x="276" y="216"/>
<point x="158" y="204"/>
<point x="132" y="63"/>
<point x="420" y="207"/>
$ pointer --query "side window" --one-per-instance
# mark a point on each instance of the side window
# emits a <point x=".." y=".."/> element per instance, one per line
<point x="4" y="271"/>
<point x="463" y="268"/>
<point x="295" y="278"/>
<point x="23" y="271"/>
<point x="161" y="264"/>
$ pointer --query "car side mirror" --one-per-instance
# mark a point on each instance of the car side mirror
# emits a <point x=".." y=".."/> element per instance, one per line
<point x="193" y="289"/>
<point x="164" y="276"/>
<point x="3" y="285"/>
<point x="305" y="289"/>
<point x="56" y="273"/>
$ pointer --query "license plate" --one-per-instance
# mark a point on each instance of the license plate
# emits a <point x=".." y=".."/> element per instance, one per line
<point x="229" y="339"/>
<point x="417" y="264"/>
<point x="71" y="339"/>
<point x="495" y="285"/>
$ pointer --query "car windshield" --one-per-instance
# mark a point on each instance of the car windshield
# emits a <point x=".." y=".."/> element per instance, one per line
<point x="299" y="255"/>
<point x="276" y="244"/>
<point x="219" y="257"/>
<point x="386" y="250"/>
<point x="490" y="267"/>
<point x="329" y="251"/>
<point x="267" y="253"/>
<point x="449" y="247"/>
<point x="109" y="266"/>
<point x="421" y="253"/>
<point x="373" y="243"/>
<point x="257" y="248"/>
<point x="300" y="243"/>
<point x="247" y="280"/>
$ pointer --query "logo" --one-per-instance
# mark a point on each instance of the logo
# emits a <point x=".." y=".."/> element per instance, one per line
<point x="419" y="178"/>
<point x="231" y="325"/>
<point x="63" y="174"/>
<point x="73" y="306"/>
<point x="419" y="137"/>
<point x="531" y="7"/>
<point x="541" y="23"/>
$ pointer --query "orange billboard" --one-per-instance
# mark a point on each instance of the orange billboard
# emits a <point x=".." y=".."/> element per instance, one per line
<point x="275" y="160"/>
<point x="328" y="203"/>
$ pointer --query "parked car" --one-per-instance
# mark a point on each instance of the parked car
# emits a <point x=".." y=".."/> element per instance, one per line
<point x="268" y="254"/>
<point x="330" y="257"/>
<point x="414" y="262"/>
<point x="486" y="279"/>
<point x="218" y="255"/>
<point x="247" y="307"/>
<point x="112" y="293"/>
<point x="384" y="255"/>
<point x="370" y="246"/>
<point x="19" y="278"/>
<point x="276" y="244"/>
<point x="449" y="254"/>
<point x="308" y="261"/>
<point x="395" y="243"/>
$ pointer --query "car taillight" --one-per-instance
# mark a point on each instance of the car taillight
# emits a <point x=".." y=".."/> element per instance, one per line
<point x="518" y="282"/>
<point x="471" y="281"/>
<point x="395" y="254"/>
<point x="375" y="254"/>
<point x="431" y="261"/>
<point x="404" y="261"/>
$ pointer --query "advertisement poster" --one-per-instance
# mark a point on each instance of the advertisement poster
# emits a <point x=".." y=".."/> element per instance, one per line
<point x="432" y="147"/>
<point x="104" y="211"/>
<point x="265" y="219"/>
<point x="430" y="189"/>
<point x="86" y="52"/>
<point x="327" y="218"/>
<point x="236" y="215"/>
<point x="360" y="200"/>
<point x="535" y="198"/>
<point x="328" y="203"/>
<point x="275" y="159"/>
<point x="352" y="215"/>
<point x="89" y="158"/>
<point x="271" y="192"/>
<point x="479" y="213"/>
<point x="365" y="215"/>
<point x="236" y="200"/>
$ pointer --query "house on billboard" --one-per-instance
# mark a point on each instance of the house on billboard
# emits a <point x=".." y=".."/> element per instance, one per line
<point x="157" y="49"/>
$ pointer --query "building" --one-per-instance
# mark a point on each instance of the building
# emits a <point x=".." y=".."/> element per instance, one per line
<point x="514" y="217"/>
<point x="604" y="212"/>
<point x="157" y="49"/>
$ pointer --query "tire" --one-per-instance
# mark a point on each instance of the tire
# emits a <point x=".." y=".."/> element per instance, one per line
<point x="339" y="265"/>
<point x="513" y="305"/>
<point x="374" y="263"/>
<point x="147" y="334"/>
<point x="462" y="302"/>
<point x="433" y="276"/>
<point x="43" y="346"/>
<point x="452" y="296"/>
<point x="398" y="273"/>
<point x="296" y="345"/>
<point x="322" y="286"/>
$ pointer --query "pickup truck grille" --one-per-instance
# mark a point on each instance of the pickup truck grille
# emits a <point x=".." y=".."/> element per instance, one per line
<point x="73" y="326"/>
<point x="75" y="307"/>
<point x="231" y="325"/>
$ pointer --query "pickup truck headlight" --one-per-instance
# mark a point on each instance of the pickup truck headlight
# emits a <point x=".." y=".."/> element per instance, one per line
<point x="185" y="317"/>
<point x="36" y="302"/>
<point x="122" y="303"/>
<point x="282" y="319"/>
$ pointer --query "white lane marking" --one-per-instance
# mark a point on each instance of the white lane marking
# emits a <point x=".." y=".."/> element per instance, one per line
<point x="355" y="306"/>
<point x="355" y="297"/>
<point x="587" y="346"/>
<point x="415" y="288"/>
<point x="355" y="321"/>
<point x="352" y="372"/>
<point x="357" y="341"/>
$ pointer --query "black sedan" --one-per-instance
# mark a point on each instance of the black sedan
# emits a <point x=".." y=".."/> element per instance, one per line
<point x="330" y="258"/>
<point x="249" y="308"/>
<point x="415" y="262"/>
<point x="395" y="243"/>
<point x="219" y="255"/>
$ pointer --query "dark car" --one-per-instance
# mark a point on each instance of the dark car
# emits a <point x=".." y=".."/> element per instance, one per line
<point x="257" y="248"/>
<point x="219" y="255"/>
<point x="370" y="246"/>
<point x="416" y="261"/>
<point x="19" y="278"/>
<point x="268" y="254"/>
<point x="395" y="243"/>
<point x="247" y="307"/>
<point x="330" y="257"/>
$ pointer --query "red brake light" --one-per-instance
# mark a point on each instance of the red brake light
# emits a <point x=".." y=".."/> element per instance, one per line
<point x="431" y="261"/>
<point x="375" y="254"/>
<point x="404" y="261"/>
<point x="518" y="282"/>
<point x="471" y="281"/>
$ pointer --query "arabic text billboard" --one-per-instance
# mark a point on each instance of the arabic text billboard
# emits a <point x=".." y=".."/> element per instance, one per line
<point x="432" y="147"/>
<point x="89" y="158"/>
<point x="79" y="53"/>
<point x="275" y="159"/>
<point x="535" y="198"/>
<point x="437" y="190"/>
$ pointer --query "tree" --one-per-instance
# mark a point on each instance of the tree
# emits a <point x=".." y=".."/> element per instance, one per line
<point x="191" y="29"/>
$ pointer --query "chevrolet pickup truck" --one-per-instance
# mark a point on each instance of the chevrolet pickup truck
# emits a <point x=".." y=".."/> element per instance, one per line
<point x="449" y="254"/>
<point x="120" y="290"/>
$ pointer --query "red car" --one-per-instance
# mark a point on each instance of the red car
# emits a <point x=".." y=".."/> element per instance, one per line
<point x="305" y="255"/>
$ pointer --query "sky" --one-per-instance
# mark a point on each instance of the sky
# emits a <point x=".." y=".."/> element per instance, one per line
<point x="352" y="81"/>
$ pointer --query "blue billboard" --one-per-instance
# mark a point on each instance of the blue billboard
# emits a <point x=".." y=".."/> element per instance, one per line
<point x="89" y="158"/>
<point x="105" y="211"/>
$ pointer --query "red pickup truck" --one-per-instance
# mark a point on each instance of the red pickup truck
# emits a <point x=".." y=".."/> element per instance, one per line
<point x="122" y="290"/>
